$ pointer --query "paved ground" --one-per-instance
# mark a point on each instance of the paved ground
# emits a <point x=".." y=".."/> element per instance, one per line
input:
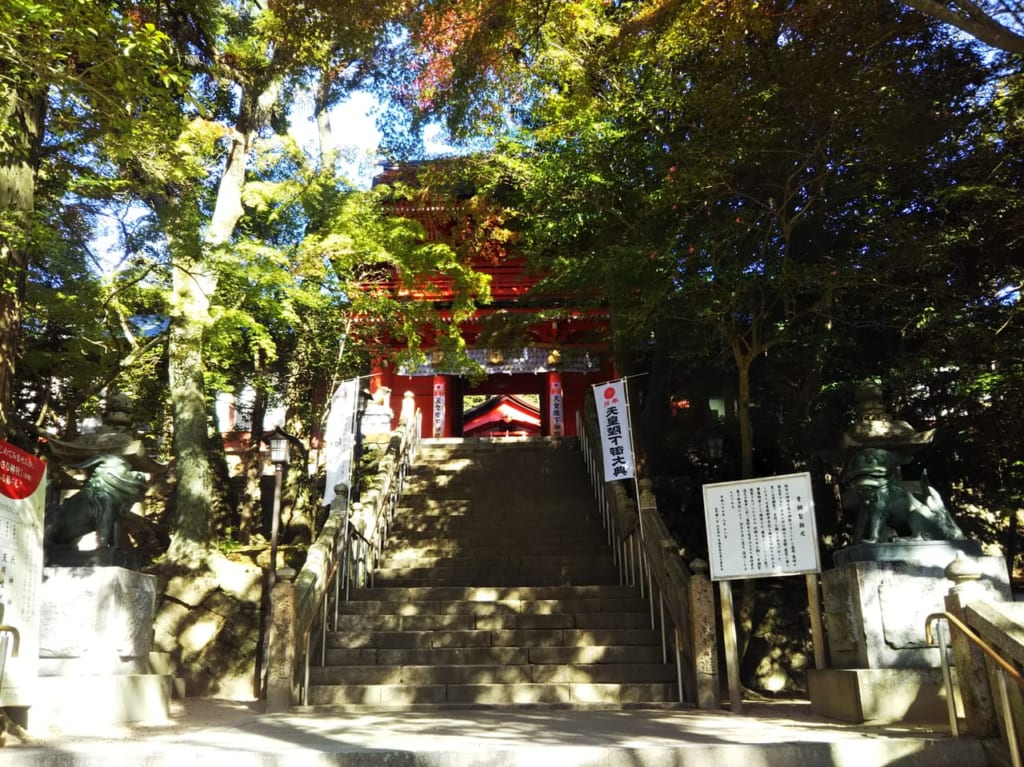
<point x="766" y="735"/>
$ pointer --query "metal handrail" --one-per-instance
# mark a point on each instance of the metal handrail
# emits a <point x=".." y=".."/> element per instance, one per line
<point x="630" y="549"/>
<point x="1005" y="669"/>
<point x="356" y="553"/>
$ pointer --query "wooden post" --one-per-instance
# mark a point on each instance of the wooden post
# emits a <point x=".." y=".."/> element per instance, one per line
<point x="817" y="629"/>
<point x="732" y="658"/>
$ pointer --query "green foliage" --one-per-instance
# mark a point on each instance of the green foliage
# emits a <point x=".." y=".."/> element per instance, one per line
<point x="792" y="196"/>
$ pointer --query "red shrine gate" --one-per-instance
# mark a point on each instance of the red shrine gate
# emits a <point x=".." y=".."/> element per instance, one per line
<point x="560" y="361"/>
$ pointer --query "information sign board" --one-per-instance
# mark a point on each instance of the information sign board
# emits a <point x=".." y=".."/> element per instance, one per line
<point x="22" y="502"/>
<point x="761" y="527"/>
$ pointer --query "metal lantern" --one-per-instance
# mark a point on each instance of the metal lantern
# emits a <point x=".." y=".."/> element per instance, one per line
<point x="278" y="440"/>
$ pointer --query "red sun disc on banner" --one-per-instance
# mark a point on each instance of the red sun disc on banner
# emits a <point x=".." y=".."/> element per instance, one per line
<point x="20" y="473"/>
<point x="609" y="392"/>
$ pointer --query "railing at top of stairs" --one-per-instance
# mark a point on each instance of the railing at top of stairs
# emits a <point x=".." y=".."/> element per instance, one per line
<point x="647" y="556"/>
<point x="987" y="643"/>
<point x="304" y="606"/>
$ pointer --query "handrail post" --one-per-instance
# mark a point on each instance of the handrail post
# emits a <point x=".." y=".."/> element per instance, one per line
<point x="971" y="670"/>
<point x="1011" y="728"/>
<point x="703" y="638"/>
<point x="947" y="680"/>
<point x="281" y="660"/>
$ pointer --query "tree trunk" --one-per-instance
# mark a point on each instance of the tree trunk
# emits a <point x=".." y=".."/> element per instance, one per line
<point x="194" y="504"/>
<point x="322" y="116"/>
<point x="743" y="363"/>
<point x="22" y="118"/>
<point x="299" y="522"/>
<point x="250" y="506"/>
<point x="194" y="282"/>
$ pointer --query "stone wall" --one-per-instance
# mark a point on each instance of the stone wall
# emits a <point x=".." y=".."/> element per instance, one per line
<point x="209" y="623"/>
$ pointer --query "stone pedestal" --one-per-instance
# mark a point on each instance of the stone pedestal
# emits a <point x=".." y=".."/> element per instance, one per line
<point x="95" y="650"/>
<point x="875" y="608"/>
<point x="878" y="695"/>
<point x="876" y="601"/>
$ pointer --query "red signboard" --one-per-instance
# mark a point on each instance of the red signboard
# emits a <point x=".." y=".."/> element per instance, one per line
<point x="20" y="473"/>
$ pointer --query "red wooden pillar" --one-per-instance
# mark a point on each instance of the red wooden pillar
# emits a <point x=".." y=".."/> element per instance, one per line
<point x="556" y="405"/>
<point x="378" y="376"/>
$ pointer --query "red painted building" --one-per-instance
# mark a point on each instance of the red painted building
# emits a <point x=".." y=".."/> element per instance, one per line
<point x="503" y="416"/>
<point x="558" y="361"/>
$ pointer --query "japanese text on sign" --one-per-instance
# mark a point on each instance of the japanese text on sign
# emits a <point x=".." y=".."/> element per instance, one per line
<point x="438" y="409"/>
<point x="613" y="420"/>
<point x="761" y="527"/>
<point x="556" y="412"/>
<point x="22" y="488"/>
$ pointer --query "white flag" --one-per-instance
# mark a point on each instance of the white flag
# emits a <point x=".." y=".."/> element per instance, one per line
<point x="613" y="420"/>
<point x="340" y="437"/>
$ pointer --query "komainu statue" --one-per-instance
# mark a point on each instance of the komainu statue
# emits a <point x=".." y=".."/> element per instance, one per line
<point x="885" y="502"/>
<point x="110" y="491"/>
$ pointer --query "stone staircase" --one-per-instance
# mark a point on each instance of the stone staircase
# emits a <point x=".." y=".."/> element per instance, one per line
<point x="496" y="588"/>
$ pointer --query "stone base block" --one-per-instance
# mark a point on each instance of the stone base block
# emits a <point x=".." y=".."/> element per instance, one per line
<point x="77" y="703"/>
<point x="875" y="610"/>
<point x="152" y="663"/>
<point x="96" y="619"/>
<point x="879" y="696"/>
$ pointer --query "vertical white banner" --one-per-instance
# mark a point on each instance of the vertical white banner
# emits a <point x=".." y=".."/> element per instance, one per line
<point x="556" y="412"/>
<point x="22" y="502"/>
<point x="439" y="405"/>
<point x="613" y="420"/>
<point x="340" y="437"/>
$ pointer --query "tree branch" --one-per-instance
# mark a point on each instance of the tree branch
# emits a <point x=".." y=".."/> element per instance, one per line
<point x="976" y="21"/>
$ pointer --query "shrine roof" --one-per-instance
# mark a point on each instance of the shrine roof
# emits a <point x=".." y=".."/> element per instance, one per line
<point x="514" y="412"/>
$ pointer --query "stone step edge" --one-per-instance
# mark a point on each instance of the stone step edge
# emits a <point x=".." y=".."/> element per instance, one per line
<point x="369" y="708"/>
<point x="507" y="607"/>
<point x="418" y="674"/>
<point x="471" y="638"/>
<point x="515" y="622"/>
<point x="488" y="594"/>
<point x="527" y="692"/>
<point x="587" y="655"/>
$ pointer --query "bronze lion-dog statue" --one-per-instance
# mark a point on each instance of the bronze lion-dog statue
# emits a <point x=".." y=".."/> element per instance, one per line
<point x="886" y="503"/>
<point x="110" y="491"/>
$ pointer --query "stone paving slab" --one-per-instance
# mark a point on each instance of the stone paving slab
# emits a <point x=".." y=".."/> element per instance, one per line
<point x="766" y="735"/>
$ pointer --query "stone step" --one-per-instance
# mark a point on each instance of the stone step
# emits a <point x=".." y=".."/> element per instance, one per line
<point x="460" y="536"/>
<point x="400" y="606"/>
<point x="536" y="564"/>
<point x="482" y="475"/>
<point x="465" y="622"/>
<point x="506" y="507"/>
<point x="419" y="594"/>
<point x="482" y="533"/>
<point x="466" y="538"/>
<point x="462" y="674"/>
<point x="435" y="506"/>
<point x="484" y="656"/>
<point x="400" y="549"/>
<point x="531" y="465"/>
<point x="504" y="445"/>
<point x="491" y="694"/>
<point x="420" y="577"/>
<point x="398" y="640"/>
<point x="496" y="587"/>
